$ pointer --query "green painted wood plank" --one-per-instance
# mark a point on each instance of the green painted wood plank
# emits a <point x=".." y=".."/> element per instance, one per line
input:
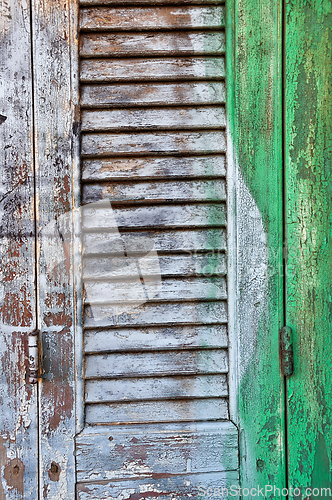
<point x="254" y="107"/>
<point x="308" y="107"/>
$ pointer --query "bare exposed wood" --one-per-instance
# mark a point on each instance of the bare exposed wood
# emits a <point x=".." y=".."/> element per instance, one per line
<point x="153" y="143"/>
<point x="157" y="44"/>
<point x="112" y="453"/>
<point x="89" y="3"/>
<point x="158" y="411"/>
<point x="130" y="289"/>
<point x="108" y="95"/>
<point x="55" y="137"/>
<point x="174" y="337"/>
<point x="163" y="69"/>
<point x="192" y="241"/>
<point x="18" y="415"/>
<point x="149" y="168"/>
<point x="136" y="18"/>
<point x="113" y="267"/>
<point x="189" y="191"/>
<point x="195" y="215"/>
<point x="133" y="389"/>
<point x="154" y="118"/>
<point x="149" y="314"/>
<point x="163" y="488"/>
<point x="156" y="363"/>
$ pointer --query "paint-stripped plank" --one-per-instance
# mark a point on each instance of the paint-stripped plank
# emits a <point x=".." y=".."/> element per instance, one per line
<point x="207" y="264"/>
<point x="158" y="388"/>
<point x="153" y="143"/>
<point x="162" y="118"/>
<point x="156" y="363"/>
<point x="175" y="487"/>
<point x="157" y="314"/>
<point x="167" y="240"/>
<point x="149" y="94"/>
<point x="163" y="216"/>
<point x="112" y="453"/>
<point x="163" y="191"/>
<point x="149" y="69"/>
<point x="19" y="404"/>
<point x="173" y="337"/>
<point x="150" y="168"/>
<point x="156" y="44"/>
<point x="131" y="289"/>
<point x="157" y="411"/>
<point x="154" y="18"/>
<point x="56" y="101"/>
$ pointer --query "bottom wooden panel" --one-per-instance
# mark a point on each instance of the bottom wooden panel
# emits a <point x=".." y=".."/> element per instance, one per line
<point x="104" y="453"/>
<point x="217" y="485"/>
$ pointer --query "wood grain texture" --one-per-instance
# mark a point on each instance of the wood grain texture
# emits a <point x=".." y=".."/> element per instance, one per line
<point x="147" y="44"/>
<point x="153" y="143"/>
<point x="176" y="487"/>
<point x="167" y="240"/>
<point x="55" y="142"/>
<point x="153" y="168"/>
<point x="254" y="36"/>
<point x="177" y="191"/>
<point x="210" y="264"/>
<point x="150" y="314"/>
<point x="89" y="3"/>
<point x="159" y="17"/>
<point x="161" y="363"/>
<point x="162" y="216"/>
<point x="174" y="337"/>
<point x="18" y="415"/>
<point x="150" y="94"/>
<point x="158" y="411"/>
<point x="208" y="446"/>
<point x="152" y="69"/>
<point x="308" y="221"/>
<point x="135" y="389"/>
<point x="189" y="118"/>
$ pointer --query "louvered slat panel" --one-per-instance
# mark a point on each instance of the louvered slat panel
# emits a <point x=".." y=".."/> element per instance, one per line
<point x="153" y="149"/>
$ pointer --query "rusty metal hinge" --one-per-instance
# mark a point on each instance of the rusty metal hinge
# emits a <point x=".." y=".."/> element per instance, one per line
<point x="34" y="356"/>
<point x="286" y="351"/>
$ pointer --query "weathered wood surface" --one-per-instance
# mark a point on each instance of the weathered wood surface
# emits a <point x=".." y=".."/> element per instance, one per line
<point x="151" y="168"/>
<point x="156" y="363"/>
<point x="150" y="94"/>
<point x="53" y="55"/>
<point x="177" y="191"/>
<point x="112" y="453"/>
<point x="172" y="337"/>
<point x="129" y="289"/>
<point x="308" y="128"/>
<point x="189" y="118"/>
<point x="152" y="69"/>
<point x="162" y="216"/>
<point x="157" y="411"/>
<point x="169" y="265"/>
<point x="255" y="117"/>
<point x="132" y="389"/>
<point x="157" y="44"/>
<point x="168" y="240"/>
<point x="153" y="143"/>
<point x="18" y="414"/>
<point x="138" y="18"/>
<point x="175" y="487"/>
<point x="150" y="314"/>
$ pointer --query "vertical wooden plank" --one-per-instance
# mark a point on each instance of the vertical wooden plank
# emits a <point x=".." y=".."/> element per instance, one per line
<point x="18" y="399"/>
<point x="254" y="107"/>
<point x="308" y="67"/>
<point x="54" y="38"/>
